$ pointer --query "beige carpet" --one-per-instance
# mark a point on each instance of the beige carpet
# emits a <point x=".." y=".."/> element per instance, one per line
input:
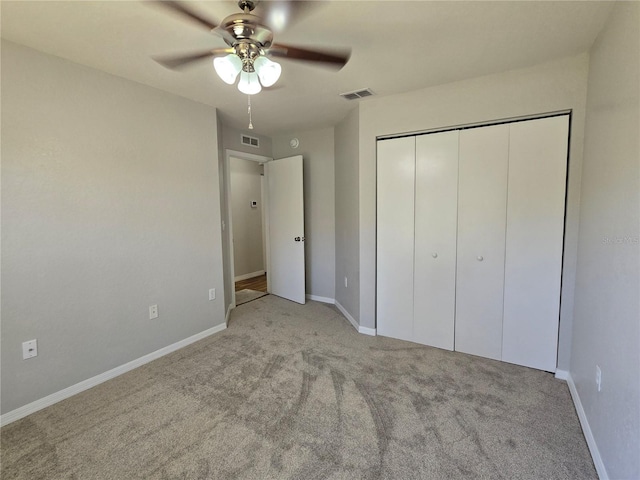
<point x="247" y="295"/>
<point x="293" y="392"/>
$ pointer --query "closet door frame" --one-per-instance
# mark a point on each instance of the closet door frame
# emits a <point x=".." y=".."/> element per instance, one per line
<point x="507" y="312"/>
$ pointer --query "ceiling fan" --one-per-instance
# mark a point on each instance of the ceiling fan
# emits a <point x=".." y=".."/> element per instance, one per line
<point x="249" y="39"/>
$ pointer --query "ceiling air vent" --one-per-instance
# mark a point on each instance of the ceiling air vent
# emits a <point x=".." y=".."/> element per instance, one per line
<point x="357" y="94"/>
<point x="250" y="141"/>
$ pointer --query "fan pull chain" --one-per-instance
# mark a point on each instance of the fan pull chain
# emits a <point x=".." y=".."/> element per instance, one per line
<point x="249" y="102"/>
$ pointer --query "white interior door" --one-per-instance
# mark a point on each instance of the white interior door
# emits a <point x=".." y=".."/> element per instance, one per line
<point x="482" y="212"/>
<point x="535" y="226"/>
<point x="395" y="233"/>
<point x="436" y="213"/>
<point x="286" y="266"/>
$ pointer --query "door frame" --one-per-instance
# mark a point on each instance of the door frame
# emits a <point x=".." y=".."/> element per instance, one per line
<point x="229" y="230"/>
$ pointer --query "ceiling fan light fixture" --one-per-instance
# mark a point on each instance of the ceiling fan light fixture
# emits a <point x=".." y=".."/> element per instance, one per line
<point x="228" y="67"/>
<point x="249" y="83"/>
<point x="249" y="38"/>
<point x="267" y="70"/>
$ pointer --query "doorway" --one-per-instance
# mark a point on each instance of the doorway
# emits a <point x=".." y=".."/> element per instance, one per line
<point x="247" y="225"/>
<point x="281" y="211"/>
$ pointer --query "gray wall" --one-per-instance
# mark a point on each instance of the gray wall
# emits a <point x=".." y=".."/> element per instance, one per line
<point x="110" y="203"/>
<point x="606" y="330"/>
<point x="347" y="235"/>
<point x="316" y="147"/>
<point x="245" y="178"/>
<point x="549" y="87"/>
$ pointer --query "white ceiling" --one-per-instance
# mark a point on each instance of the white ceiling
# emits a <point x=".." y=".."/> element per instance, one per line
<point x="397" y="46"/>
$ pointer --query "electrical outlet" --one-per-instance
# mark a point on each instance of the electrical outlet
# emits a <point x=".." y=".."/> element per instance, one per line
<point x="346" y="283"/>
<point x="598" y="378"/>
<point x="212" y="294"/>
<point x="29" y="349"/>
<point x="153" y="312"/>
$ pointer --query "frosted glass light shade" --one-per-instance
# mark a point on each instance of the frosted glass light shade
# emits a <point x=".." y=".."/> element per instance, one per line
<point x="228" y="67"/>
<point x="249" y="83"/>
<point x="268" y="71"/>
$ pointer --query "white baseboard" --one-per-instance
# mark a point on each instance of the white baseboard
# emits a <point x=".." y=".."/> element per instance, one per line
<point x="562" y="375"/>
<point x="321" y="299"/>
<point x="347" y="315"/>
<point x="56" y="397"/>
<point x="367" y="331"/>
<point x="246" y="276"/>
<point x="586" y="428"/>
<point x="352" y="321"/>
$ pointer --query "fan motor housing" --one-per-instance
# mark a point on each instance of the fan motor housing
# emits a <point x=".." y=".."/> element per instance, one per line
<point x="244" y="26"/>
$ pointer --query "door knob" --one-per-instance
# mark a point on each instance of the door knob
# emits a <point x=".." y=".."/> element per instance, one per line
<point x="297" y="239"/>
<point x="480" y="258"/>
<point x="434" y="255"/>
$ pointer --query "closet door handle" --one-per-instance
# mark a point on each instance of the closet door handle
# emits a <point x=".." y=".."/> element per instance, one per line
<point x="480" y="258"/>
<point x="434" y="255"/>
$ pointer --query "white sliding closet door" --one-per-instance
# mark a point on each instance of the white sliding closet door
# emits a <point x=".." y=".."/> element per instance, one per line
<point x="535" y="226"/>
<point x="436" y="207"/>
<point x="482" y="202"/>
<point x="394" y="290"/>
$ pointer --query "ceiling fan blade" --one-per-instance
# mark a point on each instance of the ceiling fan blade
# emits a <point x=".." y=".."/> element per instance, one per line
<point x="181" y="9"/>
<point x="273" y="88"/>
<point x="178" y="62"/>
<point x="280" y="14"/>
<point x="331" y="58"/>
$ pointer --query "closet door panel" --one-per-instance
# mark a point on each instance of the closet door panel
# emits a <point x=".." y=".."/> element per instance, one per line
<point x="436" y="207"/>
<point x="482" y="198"/>
<point x="395" y="237"/>
<point x="535" y="226"/>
